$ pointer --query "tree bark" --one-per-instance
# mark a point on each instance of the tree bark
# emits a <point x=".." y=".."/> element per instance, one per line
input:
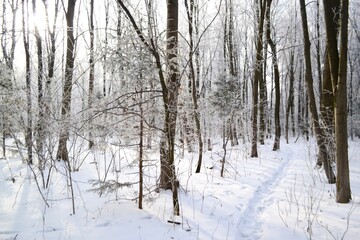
<point x="290" y="101"/>
<point x="51" y="57"/>
<point x="323" y="152"/>
<point x="272" y="45"/>
<point x="91" y="69"/>
<point x="28" y="131"/>
<point x="168" y="174"/>
<point x="40" y="136"/>
<point x="62" y="152"/>
<point x="257" y="78"/>
<point x="169" y="87"/>
<point x="343" y="191"/>
<point x="191" y="12"/>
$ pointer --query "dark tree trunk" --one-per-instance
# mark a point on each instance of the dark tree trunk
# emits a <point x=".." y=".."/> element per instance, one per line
<point x="290" y="101"/>
<point x="343" y="191"/>
<point x="257" y="78"/>
<point x="170" y="87"/>
<point x="327" y="102"/>
<point x="92" y="69"/>
<point x="51" y="58"/>
<point x="338" y="69"/>
<point x="168" y="175"/>
<point x="40" y="136"/>
<point x="28" y="132"/>
<point x="141" y="149"/>
<point x="191" y="15"/>
<point x="323" y="152"/>
<point x="62" y="152"/>
<point x="276" y="79"/>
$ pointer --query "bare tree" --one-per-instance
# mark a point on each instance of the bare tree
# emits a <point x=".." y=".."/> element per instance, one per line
<point x="51" y="55"/>
<point x="62" y="152"/>
<point x="338" y="67"/>
<point x="323" y="152"/>
<point x="25" y="31"/>
<point x="192" y="12"/>
<point x="170" y="87"/>
<point x="92" y="67"/>
<point x="257" y="76"/>
<point x="275" y="65"/>
<point x="40" y="83"/>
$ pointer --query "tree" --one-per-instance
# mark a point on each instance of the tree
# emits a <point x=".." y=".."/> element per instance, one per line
<point x="338" y="68"/>
<point x="323" y="152"/>
<point x="192" y="17"/>
<point x="173" y="83"/>
<point x="62" y="152"/>
<point x="25" y="32"/>
<point x="9" y="53"/>
<point x="91" y="67"/>
<point x="41" y="101"/>
<point x="51" y="56"/>
<point x="327" y="100"/>
<point x="257" y="76"/>
<point x="275" y="65"/>
<point x="170" y="89"/>
<point x="8" y="44"/>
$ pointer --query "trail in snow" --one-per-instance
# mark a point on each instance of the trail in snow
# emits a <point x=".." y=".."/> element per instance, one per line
<point x="250" y="223"/>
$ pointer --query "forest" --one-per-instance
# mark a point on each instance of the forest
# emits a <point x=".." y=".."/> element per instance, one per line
<point x="200" y="119"/>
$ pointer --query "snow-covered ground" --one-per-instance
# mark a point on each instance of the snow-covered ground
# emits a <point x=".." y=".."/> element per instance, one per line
<point x="276" y="196"/>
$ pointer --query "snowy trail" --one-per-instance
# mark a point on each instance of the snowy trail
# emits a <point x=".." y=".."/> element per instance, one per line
<point x="250" y="223"/>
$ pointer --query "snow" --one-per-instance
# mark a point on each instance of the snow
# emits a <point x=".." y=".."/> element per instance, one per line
<point x="279" y="195"/>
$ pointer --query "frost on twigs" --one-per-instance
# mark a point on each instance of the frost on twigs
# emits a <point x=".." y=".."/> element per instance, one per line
<point x="109" y="186"/>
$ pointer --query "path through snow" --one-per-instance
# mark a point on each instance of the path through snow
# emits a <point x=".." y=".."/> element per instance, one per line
<point x="250" y="220"/>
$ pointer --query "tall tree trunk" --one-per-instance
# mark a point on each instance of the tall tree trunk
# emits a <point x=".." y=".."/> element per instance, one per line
<point x="327" y="102"/>
<point x="92" y="69"/>
<point x="318" y="46"/>
<point x="62" y="152"/>
<point x="170" y="87"/>
<point x="257" y="78"/>
<point x="327" y="99"/>
<point x="263" y="101"/>
<point x="25" y="31"/>
<point x="191" y="15"/>
<point x="141" y="149"/>
<point x="51" y="57"/>
<point x="168" y="174"/>
<point x="276" y="78"/>
<point x="9" y="53"/>
<point x="331" y="14"/>
<point x="40" y="136"/>
<point x="323" y="153"/>
<point x="290" y="101"/>
<point x="343" y="191"/>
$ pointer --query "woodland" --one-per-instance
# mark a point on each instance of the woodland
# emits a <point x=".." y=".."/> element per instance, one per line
<point x="144" y="95"/>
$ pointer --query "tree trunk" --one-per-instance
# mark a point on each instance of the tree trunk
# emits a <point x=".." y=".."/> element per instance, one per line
<point x="141" y="149"/>
<point x="41" y="101"/>
<point x="62" y="152"/>
<point x="170" y="88"/>
<point x="323" y="153"/>
<point x="257" y="78"/>
<point x="51" y="58"/>
<point x="343" y="191"/>
<point x="290" y="101"/>
<point x="276" y="79"/>
<point x="92" y="69"/>
<point x="168" y="175"/>
<point x="25" y="31"/>
<point x="191" y="15"/>
<point x="327" y="102"/>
